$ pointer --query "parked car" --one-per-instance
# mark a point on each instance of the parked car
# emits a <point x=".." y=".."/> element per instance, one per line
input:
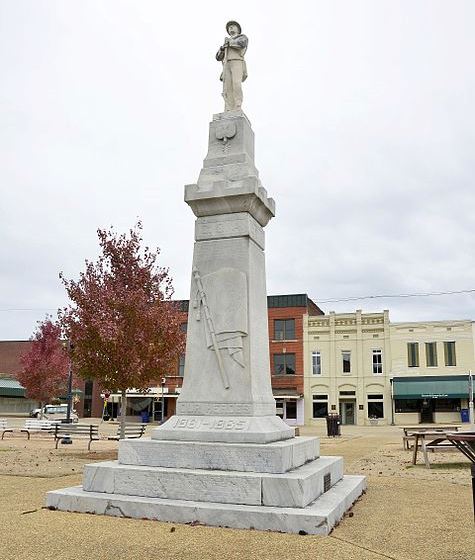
<point x="54" y="412"/>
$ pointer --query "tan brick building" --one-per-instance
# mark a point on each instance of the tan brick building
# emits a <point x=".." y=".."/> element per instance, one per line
<point x="371" y="371"/>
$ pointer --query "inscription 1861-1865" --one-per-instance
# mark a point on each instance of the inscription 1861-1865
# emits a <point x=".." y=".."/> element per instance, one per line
<point x="225" y="424"/>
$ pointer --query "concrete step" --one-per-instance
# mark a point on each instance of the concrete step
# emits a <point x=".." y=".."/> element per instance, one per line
<point x="275" y="457"/>
<point x="317" y="518"/>
<point x="296" y="488"/>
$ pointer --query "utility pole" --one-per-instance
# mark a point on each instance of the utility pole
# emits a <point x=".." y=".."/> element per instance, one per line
<point x="164" y="380"/>
<point x="470" y="399"/>
<point x="70" y="384"/>
<point x="392" y="402"/>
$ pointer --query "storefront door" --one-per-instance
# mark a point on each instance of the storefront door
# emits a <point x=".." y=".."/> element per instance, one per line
<point x="157" y="411"/>
<point x="427" y="411"/>
<point x="347" y="412"/>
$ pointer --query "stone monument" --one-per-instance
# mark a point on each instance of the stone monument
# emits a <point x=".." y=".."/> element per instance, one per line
<point x="225" y="459"/>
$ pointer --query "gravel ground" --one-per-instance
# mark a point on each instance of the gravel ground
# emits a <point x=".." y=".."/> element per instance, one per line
<point x="408" y="513"/>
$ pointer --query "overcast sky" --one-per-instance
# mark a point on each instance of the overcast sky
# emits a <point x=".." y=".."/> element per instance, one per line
<point x="364" y="119"/>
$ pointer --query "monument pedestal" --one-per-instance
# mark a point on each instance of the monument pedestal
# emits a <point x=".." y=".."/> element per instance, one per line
<point x="225" y="459"/>
<point x="280" y="486"/>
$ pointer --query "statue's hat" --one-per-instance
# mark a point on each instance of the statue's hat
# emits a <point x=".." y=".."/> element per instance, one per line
<point x="233" y="23"/>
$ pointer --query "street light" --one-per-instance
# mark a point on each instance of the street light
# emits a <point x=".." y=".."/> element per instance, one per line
<point x="164" y="380"/>
<point x="67" y="439"/>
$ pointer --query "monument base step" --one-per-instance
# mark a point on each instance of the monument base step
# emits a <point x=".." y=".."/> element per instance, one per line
<point x="317" y="518"/>
<point x="296" y="488"/>
<point x="275" y="457"/>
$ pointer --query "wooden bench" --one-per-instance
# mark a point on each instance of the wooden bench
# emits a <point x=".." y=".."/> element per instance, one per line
<point x="32" y="426"/>
<point x="76" y="431"/>
<point x="132" y="431"/>
<point x="409" y="431"/>
<point x="4" y="426"/>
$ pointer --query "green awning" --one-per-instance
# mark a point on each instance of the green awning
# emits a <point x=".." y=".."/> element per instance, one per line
<point x="11" y="388"/>
<point x="431" y="387"/>
<point x="74" y="392"/>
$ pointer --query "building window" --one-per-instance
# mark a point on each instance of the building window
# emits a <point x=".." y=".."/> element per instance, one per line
<point x="284" y="364"/>
<point x="413" y="354"/>
<point x="377" y="362"/>
<point x="375" y="409"/>
<point x="346" y="359"/>
<point x="431" y="354"/>
<point x="407" y="405"/>
<point x="449" y="353"/>
<point x="181" y="365"/>
<point x="375" y="406"/>
<point x="286" y="409"/>
<point x="88" y="388"/>
<point x="316" y="363"/>
<point x="320" y="406"/>
<point x="284" y="329"/>
<point x="291" y="410"/>
<point x="447" y="405"/>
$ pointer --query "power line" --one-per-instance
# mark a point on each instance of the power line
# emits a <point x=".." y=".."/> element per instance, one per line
<point x="333" y="300"/>
<point x="392" y="296"/>
<point x="30" y="309"/>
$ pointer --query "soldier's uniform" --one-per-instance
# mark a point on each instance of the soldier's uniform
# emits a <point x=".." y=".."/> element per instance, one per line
<point x="234" y="70"/>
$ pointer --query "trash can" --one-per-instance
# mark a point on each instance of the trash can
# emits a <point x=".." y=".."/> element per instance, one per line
<point x="464" y="414"/>
<point x="145" y="417"/>
<point x="333" y="425"/>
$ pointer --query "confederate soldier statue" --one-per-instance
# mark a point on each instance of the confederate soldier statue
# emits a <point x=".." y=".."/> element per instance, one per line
<point x="231" y="54"/>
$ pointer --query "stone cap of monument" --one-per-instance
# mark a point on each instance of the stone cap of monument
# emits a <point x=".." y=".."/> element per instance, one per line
<point x="229" y="181"/>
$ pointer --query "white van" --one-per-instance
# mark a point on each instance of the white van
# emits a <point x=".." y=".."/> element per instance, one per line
<point x="54" y="412"/>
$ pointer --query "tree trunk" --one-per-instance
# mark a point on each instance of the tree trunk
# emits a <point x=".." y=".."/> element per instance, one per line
<point x="123" y="407"/>
<point x="41" y="410"/>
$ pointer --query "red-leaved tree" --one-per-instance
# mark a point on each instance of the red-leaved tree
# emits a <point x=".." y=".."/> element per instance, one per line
<point x="124" y="327"/>
<point x="45" y="365"/>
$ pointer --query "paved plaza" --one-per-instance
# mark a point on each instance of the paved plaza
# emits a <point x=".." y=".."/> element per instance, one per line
<point x="408" y="513"/>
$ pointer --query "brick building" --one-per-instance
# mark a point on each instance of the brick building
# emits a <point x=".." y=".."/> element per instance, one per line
<point x="285" y="317"/>
<point x="12" y="394"/>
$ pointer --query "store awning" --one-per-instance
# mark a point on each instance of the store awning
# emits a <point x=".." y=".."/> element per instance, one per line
<point x="154" y="393"/>
<point x="74" y="393"/>
<point x="431" y="387"/>
<point x="286" y="394"/>
<point x="10" y="387"/>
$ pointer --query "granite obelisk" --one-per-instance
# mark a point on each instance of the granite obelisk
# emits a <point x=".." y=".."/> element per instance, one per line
<point x="227" y="394"/>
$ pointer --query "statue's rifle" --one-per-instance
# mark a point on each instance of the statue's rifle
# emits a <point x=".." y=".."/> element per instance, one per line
<point x="209" y="322"/>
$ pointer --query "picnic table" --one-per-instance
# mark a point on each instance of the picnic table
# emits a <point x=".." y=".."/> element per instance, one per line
<point x="430" y="441"/>
<point x="465" y="442"/>
<point x="408" y="435"/>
